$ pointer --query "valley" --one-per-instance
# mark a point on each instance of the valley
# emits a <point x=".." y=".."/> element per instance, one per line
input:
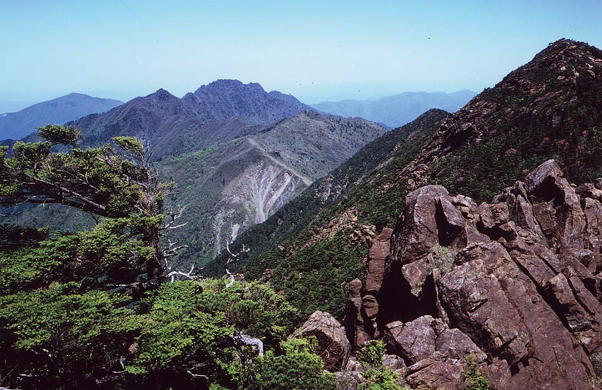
<point x="236" y="238"/>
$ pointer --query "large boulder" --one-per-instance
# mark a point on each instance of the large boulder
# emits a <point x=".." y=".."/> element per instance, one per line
<point x="515" y="283"/>
<point x="426" y="337"/>
<point x="333" y="346"/>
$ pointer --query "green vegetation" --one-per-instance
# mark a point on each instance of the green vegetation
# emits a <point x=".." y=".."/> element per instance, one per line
<point x="476" y="380"/>
<point x="120" y="186"/>
<point x="181" y="333"/>
<point x="296" y="368"/>
<point x="377" y="375"/>
<point x="443" y="260"/>
<point x="551" y="119"/>
<point x="309" y="267"/>
<point x="93" y="310"/>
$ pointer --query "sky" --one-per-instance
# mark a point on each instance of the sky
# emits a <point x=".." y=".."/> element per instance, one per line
<point x="314" y="49"/>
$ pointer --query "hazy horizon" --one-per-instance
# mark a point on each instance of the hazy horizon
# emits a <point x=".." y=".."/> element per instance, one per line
<point x="15" y="106"/>
<point x="313" y="50"/>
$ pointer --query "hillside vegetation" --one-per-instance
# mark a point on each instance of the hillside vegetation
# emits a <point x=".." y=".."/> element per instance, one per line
<point x="549" y="108"/>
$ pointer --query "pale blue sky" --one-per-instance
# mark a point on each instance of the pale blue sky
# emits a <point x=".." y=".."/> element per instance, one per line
<point x="316" y="50"/>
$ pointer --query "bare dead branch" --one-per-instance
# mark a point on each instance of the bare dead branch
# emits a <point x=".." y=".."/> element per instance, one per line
<point x="188" y="275"/>
<point x="243" y="339"/>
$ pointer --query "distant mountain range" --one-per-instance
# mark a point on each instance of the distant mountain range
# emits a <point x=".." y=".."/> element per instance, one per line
<point x="217" y="112"/>
<point x="236" y="153"/>
<point x="20" y="124"/>
<point x="397" y="110"/>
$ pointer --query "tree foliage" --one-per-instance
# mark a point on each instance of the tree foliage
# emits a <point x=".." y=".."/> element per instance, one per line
<point x="377" y="375"/>
<point x="297" y="368"/>
<point x="120" y="185"/>
<point x="179" y="335"/>
<point x="76" y="310"/>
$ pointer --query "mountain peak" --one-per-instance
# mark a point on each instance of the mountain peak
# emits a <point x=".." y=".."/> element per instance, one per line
<point x="527" y="116"/>
<point x="228" y="86"/>
<point x="76" y="95"/>
<point x="568" y="58"/>
<point x="162" y="95"/>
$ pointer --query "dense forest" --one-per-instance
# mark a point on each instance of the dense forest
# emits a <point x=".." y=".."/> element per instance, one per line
<point x="104" y="309"/>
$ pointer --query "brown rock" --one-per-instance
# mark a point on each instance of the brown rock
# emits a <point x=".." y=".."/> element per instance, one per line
<point x="524" y="288"/>
<point x="370" y="306"/>
<point x="378" y="252"/>
<point x="354" y="322"/>
<point x="394" y="362"/>
<point x="494" y="302"/>
<point x="355" y="288"/>
<point x="414" y="340"/>
<point x="333" y="346"/>
<point x="419" y="233"/>
<point x="451" y="223"/>
<point x="454" y="344"/>
<point x="436" y="374"/>
<point x="546" y="184"/>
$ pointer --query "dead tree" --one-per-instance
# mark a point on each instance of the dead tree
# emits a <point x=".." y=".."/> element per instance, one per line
<point x="232" y="260"/>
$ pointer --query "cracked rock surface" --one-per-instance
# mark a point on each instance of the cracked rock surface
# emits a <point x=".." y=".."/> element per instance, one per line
<point x="516" y="283"/>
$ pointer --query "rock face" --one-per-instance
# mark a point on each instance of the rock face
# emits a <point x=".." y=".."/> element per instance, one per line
<point x="362" y="307"/>
<point x="516" y="284"/>
<point x="333" y="346"/>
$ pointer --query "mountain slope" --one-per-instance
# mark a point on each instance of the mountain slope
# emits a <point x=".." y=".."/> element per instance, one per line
<point x="397" y="110"/>
<point x="549" y="108"/>
<point x="56" y="111"/>
<point x="217" y="112"/>
<point x="231" y="186"/>
<point x="314" y="227"/>
<point x="234" y="158"/>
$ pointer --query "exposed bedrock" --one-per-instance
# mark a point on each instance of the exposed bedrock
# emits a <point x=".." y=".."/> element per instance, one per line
<point x="514" y="283"/>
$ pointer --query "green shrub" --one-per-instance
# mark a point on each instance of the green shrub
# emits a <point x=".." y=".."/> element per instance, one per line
<point x="372" y="353"/>
<point x="179" y="335"/>
<point x="297" y="368"/>
<point x="377" y="376"/>
<point x="474" y="376"/>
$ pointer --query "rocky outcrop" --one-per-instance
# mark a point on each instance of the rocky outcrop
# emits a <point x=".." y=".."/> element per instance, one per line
<point x="516" y="284"/>
<point x="362" y="307"/>
<point x="333" y="346"/>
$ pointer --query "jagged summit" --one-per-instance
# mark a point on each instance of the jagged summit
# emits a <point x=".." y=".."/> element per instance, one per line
<point x="219" y="111"/>
<point x="565" y="51"/>
<point x="227" y="85"/>
<point x="162" y="94"/>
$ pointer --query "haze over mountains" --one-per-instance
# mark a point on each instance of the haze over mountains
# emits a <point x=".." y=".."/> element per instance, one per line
<point x="217" y="112"/>
<point x="66" y="108"/>
<point x="236" y="153"/>
<point x="397" y="110"/>
<point x="466" y="245"/>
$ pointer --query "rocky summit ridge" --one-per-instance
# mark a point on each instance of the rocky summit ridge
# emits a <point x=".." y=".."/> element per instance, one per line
<point x="515" y="283"/>
<point x="548" y="107"/>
